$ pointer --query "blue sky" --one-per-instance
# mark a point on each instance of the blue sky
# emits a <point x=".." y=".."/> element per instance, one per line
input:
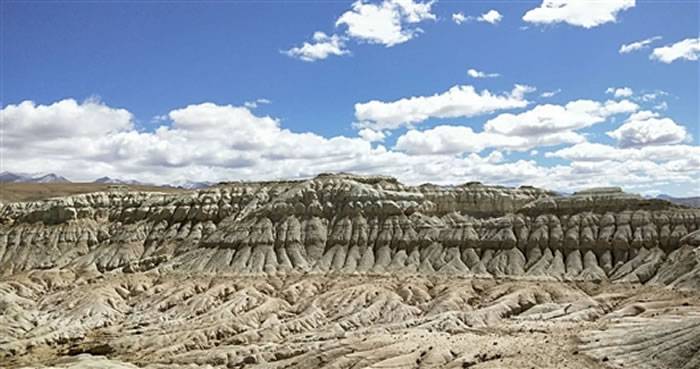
<point x="149" y="59"/>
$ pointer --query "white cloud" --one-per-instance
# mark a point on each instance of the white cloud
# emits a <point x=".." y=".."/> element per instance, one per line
<point x="593" y="152"/>
<point x="649" y="167"/>
<point x="479" y="74"/>
<point x="548" y="94"/>
<point x="543" y="125"/>
<point x="646" y="128"/>
<point x="661" y="106"/>
<point x="60" y="122"/>
<point x="256" y="103"/>
<point x="387" y="23"/>
<point x="550" y="119"/>
<point x="582" y="13"/>
<point x="495" y="157"/>
<point x="371" y="135"/>
<point x="651" y="96"/>
<point x="449" y="140"/>
<point x="458" y="101"/>
<point x="443" y="140"/>
<point x="620" y="92"/>
<point x="159" y="118"/>
<point x="322" y="47"/>
<point x="688" y="49"/>
<point x="639" y="45"/>
<point x="89" y="140"/>
<point x="492" y="16"/>
<point x="210" y="142"/>
<point x="519" y="91"/>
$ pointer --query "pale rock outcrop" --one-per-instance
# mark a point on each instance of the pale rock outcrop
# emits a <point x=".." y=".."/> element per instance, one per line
<point x="344" y="271"/>
<point x="352" y="224"/>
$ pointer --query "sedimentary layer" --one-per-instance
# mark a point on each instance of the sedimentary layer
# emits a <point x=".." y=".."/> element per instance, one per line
<point x="345" y="271"/>
<point x="353" y="224"/>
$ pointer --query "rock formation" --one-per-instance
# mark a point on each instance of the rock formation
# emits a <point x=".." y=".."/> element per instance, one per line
<point x="346" y="271"/>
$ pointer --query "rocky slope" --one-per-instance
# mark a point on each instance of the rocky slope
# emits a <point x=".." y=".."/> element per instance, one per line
<point x="346" y="271"/>
<point x="9" y="177"/>
<point x="693" y="202"/>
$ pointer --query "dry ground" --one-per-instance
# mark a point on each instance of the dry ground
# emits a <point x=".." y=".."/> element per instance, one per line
<point x="301" y="322"/>
<point x="344" y="272"/>
<point x="12" y="192"/>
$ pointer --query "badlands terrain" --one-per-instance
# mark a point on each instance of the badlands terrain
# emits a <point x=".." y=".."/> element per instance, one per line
<point x="344" y="271"/>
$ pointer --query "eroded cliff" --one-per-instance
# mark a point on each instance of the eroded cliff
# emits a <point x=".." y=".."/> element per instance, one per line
<point x="339" y="270"/>
<point x="347" y="224"/>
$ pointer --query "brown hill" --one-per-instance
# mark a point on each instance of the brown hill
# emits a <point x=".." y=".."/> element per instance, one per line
<point x="20" y="192"/>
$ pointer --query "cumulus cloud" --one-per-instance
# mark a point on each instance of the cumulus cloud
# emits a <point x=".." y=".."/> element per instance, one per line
<point x="371" y="135"/>
<point x="388" y="23"/>
<point x="495" y="157"/>
<point x="593" y="152"/>
<point x="447" y="139"/>
<point x="543" y="125"/>
<point x="479" y="74"/>
<point x="548" y="94"/>
<point x="646" y="128"/>
<point x="90" y="139"/>
<point x="595" y="164"/>
<point x="53" y="127"/>
<point x="64" y="119"/>
<point x="651" y="96"/>
<point x="620" y="92"/>
<point x="582" y="13"/>
<point x="211" y="142"/>
<point x="688" y="49"/>
<point x="550" y="119"/>
<point x="443" y="140"/>
<point x="458" y="101"/>
<point x="638" y="45"/>
<point x="459" y="18"/>
<point x="254" y="104"/>
<point x="492" y="16"/>
<point x="322" y="47"/>
<point x="661" y="106"/>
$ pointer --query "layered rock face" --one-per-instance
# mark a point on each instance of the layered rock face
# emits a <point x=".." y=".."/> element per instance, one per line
<point x="345" y="271"/>
<point x="353" y="224"/>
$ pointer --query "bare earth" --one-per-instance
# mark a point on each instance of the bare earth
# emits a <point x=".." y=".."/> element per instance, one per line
<point x="347" y="271"/>
<point x="13" y="192"/>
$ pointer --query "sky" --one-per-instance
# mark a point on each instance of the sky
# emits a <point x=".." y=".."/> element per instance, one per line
<point x="562" y="94"/>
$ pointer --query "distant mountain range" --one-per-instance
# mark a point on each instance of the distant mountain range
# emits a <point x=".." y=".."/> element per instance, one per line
<point x="31" y="178"/>
<point x="191" y="185"/>
<point x="10" y="177"/>
<point x="108" y="180"/>
<point x="693" y="202"/>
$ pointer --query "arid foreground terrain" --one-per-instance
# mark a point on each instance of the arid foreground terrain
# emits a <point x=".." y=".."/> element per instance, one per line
<point x="347" y="271"/>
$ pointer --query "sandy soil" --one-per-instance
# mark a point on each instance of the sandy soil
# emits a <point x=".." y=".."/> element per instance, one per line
<point x="149" y="320"/>
<point x="12" y="192"/>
